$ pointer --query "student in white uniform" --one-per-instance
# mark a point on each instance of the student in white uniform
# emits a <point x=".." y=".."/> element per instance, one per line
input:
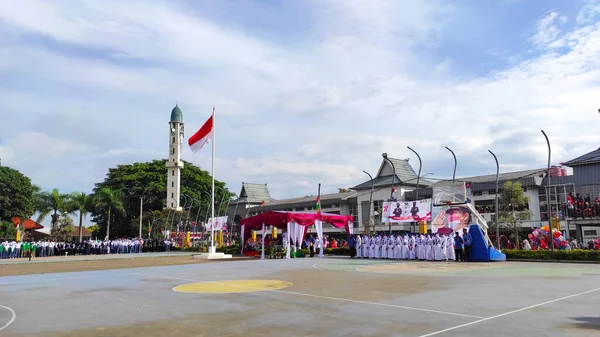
<point x="372" y="247"/>
<point x="443" y="241"/>
<point x="411" y="247"/>
<point x="429" y="248"/>
<point x="358" y="247"/>
<point x="378" y="247"/>
<point x="366" y="246"/>
<point x="450" y="254"/>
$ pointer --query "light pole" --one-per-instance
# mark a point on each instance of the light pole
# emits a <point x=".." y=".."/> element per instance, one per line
<point x="548" y="205"/>
<point x="198" y="213"/>
<point x="235" y="214"/>
<point x="454" y="172"/>
<point x="392" y="190"/>
<point x="385" y="156"/>
<point x="419" y="174"/>
<point x="141" y="212"/>
<point x="496" y="202"/>
<point x="370" y="197"/>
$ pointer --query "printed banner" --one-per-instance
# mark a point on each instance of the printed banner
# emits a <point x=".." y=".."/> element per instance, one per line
<point x="447" y="220"/>
<point x="220" y="223"/>
<point x="406" y="211"/>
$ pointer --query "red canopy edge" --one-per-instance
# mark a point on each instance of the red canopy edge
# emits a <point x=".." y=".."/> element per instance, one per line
<point x="280" y="219"/>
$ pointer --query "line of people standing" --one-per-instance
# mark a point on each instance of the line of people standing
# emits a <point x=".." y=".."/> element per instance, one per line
<point x="412" y="247"/>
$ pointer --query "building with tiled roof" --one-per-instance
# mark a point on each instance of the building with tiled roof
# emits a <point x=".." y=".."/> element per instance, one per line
<point x="481" y="191"/>
<point x="250" y="195"/>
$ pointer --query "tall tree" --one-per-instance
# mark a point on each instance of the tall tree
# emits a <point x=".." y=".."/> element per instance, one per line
<point x="150" y="181"/>
<point x="53" y="203"/>
<point x="64" y="230"/>
<point x="109" y="201"/>
<point x="16" y="195"/>
<point x="81" y="203"/>
<point x="513" y="210"/>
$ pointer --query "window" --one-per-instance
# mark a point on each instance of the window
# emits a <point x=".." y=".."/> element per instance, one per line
<point x="590" y="233"/>
<point x="173" y="173"/>
<point x="172" y="195"/>
<point x="173" y="151"/>
<point x="173" y="140"/>
<point x="172" y="205"/>
<point x="478" y="193"/>
<point x="172" y="184"/>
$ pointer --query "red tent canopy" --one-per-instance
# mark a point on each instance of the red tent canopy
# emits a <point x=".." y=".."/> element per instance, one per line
<point x="280" y="219"/>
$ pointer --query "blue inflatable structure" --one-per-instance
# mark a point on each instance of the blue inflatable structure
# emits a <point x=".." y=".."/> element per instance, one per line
<point x="480" y="251"/>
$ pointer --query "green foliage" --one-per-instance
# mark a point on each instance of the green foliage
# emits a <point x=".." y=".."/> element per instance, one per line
<point x="150" y="181"/>
<point x="511" y="200"/>
<point x="94" y="230"/>
<point x="81" y="203"/>
<point x="64" y="230"/>
<point x="233" y="250"/>
<point x="7" y="230"/>
<point x="52" y="203"/>
<point x="560" y="255"/>
<point x="345" y="251"/>
<point x="108" y="203"/>
<point x="16" y="195"/>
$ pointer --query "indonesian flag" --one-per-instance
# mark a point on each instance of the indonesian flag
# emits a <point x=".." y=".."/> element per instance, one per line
<point x="203" y="136"/>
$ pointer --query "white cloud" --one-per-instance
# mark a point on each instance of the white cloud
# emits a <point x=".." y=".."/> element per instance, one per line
<point x="319" y="107"/>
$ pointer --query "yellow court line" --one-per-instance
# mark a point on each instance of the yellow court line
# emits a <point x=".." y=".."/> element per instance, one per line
<point x="224" y="287"/>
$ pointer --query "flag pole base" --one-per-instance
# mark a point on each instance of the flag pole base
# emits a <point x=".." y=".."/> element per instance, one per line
<point x="212" y="255"/>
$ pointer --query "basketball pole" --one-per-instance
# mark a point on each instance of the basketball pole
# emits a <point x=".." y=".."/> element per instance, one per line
<point x="454" y="172"/>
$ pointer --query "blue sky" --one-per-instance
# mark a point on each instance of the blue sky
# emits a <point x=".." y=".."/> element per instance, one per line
<point x="306" y="92"/>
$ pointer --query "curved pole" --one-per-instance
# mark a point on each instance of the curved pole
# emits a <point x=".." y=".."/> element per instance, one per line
<point x="370" y="198"/>
<point x="206" y="214"/>
<point x="496" y="202"/>
<point x="199" y="208"/>
<point x="454" y="172"/>
<point x="419" y="174"/>
<point x="548" y="205"/>
<point x="234" y="215"/>
<point x="185" y="201"/>
<point x="187" y="219"/>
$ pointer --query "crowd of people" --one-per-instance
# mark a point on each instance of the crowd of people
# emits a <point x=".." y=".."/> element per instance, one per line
<point x="32" y="249"/>
<point x="579" y="206"/>
<point x="430" y="247"/>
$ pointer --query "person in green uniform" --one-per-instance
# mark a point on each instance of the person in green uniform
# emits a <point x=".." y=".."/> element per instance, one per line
<point x="25" y="248"/>
<point x="33" y="250"/>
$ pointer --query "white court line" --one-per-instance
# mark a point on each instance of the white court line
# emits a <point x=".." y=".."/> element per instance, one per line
<point x="12" y="319"/>
<point x="508" y="313"/>
<point x="328" y="298"/>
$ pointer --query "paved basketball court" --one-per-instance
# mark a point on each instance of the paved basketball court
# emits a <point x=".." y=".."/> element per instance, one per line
<point x="307" y="297"/>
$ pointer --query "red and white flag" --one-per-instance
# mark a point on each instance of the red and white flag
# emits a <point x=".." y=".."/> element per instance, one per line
<point x="203" y="136"/>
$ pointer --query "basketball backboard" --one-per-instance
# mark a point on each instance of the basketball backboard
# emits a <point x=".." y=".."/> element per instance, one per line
<point x="450" y="193"/>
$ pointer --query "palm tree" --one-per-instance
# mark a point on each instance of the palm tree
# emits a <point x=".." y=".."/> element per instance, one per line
<point x="80" y="202"/>
<point x="53" y="203"/>
<point x="110" y="200"/>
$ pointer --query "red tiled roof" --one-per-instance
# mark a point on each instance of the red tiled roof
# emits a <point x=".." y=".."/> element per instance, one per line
<point x="84" y="230"/>
<point x="28" y="224"/>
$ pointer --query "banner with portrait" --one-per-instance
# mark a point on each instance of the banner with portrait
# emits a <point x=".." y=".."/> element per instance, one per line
<point x="406" y="211"/>
<point x="220" y="224"/>
<point x="449" y="219"/>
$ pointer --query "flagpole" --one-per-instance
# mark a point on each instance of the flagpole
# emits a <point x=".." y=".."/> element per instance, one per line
<point x="212" y="201"/>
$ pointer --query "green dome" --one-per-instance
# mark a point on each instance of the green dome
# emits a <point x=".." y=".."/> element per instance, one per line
<point x="176" y="115"/>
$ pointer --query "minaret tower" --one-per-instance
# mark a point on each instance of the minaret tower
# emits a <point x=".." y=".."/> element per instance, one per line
<point x="175" y="164"/>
